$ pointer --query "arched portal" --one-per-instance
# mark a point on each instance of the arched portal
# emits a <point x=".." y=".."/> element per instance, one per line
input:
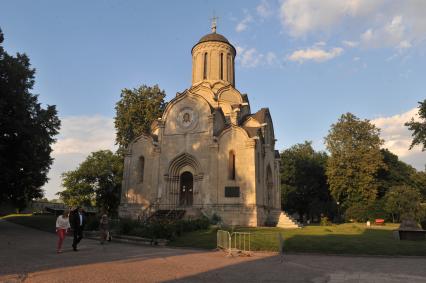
<point x="183" y="181"/>
<point x="186" y="191"/>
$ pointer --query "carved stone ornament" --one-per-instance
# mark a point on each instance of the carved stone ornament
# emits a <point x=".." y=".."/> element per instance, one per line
<point x="187" y="118"/>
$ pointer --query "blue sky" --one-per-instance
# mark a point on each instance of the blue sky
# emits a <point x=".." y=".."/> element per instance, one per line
<point x="308" y="61"/>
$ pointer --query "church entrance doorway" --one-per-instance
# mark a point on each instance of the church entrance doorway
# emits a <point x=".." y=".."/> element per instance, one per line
<point x="186" y="189"/>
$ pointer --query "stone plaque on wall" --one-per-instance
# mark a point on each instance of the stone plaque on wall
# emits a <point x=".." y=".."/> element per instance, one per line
<point x="232" y="192"/>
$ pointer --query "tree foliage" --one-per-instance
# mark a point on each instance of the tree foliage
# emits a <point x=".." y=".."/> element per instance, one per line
<point x="404" y="202"/>
<point x="303" y="181"/>
<point x="398" y="173"/>
<point x="135" y="112"/>
<point x="27" y="132"/>
<point x="96" y="181"/>
<point x="419" y="128"/>
<point x="354" y="161"/>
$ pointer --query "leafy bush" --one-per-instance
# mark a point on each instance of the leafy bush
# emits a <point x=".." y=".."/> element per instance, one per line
<point x="356" y="212"/>
<point x="325" y="221"/>
<point x="361" y="212"/>
<point x="423" y="224"/>
<point x="126" y="226"/>
<point x="163" y="229"/>
<point x="215" y="219"/>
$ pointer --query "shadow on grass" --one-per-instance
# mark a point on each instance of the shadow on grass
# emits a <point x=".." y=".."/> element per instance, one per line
<point x="340" y="239"/>
<point x="369" y="242"/>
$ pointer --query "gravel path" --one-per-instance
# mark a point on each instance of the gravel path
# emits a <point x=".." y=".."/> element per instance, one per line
<point x="28" y="255"/>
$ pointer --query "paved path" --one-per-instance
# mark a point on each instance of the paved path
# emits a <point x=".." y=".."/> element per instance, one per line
<point x="28" y="255"/>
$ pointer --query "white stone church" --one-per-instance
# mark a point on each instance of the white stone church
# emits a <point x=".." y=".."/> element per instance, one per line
<point x="208" y="154"/>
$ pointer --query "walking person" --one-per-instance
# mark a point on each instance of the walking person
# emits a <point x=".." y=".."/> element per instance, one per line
<point x="62" y="227"/>
<point x="104" y="228"/>
<point x="78" y="220"/>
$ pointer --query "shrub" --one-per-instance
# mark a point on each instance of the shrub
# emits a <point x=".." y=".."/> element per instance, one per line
<point x="423" y="224"/>
<point x="92" y="223"/>
<point x="324" y="221"/>
<point x="356" y="212"/>
<point x="361" y="212"/>
<point x="215" y="219"/>
<point x="162" y="229"/>
<point x="126" y="226"/>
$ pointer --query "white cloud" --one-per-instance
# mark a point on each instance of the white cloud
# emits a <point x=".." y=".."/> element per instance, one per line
<point x="79" y="136"/>
<point x="404" y="44"/>
<point x="398" y="138"/>
<point x="367" y="35"/>
<point x="304" y="16"/>
<point x="391" y="34"/>
<point x="378" y="23"/>
<point x="315" y="54"/>
<point x="271" y="58"/>
<point x="349" y="43"/>
<point x="264" y="9"/>
<point x="243" y="24"/>
<point x="250" y="58"/>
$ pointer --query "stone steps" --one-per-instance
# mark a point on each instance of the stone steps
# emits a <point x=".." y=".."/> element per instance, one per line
<point x="287" y="222"/>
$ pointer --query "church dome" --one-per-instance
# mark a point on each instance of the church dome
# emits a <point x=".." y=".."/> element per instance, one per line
<point x="213" y="37"/>
<point x="213" y="58"/>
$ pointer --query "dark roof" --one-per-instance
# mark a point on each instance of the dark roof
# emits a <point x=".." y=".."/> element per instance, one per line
<point x="261" y="115"/>
<point x="213" y="37"/>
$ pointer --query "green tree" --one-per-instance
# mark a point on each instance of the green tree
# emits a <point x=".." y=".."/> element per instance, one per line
<point x="404" y="201"/>
<point x="398" y="173"/>
<point x="354" y="161"/>
<point x="303" y="181"/>
<point x="135" y="112"/>
<point x="419" y="128"/>
<point x="27" y="132"/>
<point x="96" y="181"/>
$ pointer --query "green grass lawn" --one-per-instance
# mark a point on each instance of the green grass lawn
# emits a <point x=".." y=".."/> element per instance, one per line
<point x="337" y="239"/>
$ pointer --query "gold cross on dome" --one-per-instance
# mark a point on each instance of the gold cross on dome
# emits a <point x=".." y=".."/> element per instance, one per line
<point x="214" y="23"/>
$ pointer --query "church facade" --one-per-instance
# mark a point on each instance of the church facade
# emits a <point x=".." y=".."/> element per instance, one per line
<point x="208" y="153"/>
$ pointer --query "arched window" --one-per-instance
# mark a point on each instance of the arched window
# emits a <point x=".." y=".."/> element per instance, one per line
<point x="258" y="167"/>
<point x="205" y="67"/>
<point x="231" y="165"/>
<point x="221" y="66"/>
<point x="142" y="167"/>
<point x="228" y="67"/>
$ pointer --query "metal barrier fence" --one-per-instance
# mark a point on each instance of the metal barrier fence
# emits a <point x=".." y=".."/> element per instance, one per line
<point x="223" y="240"/>
<point x="246" y="242"/>
<point x="240" y="243"/>
<point x="236" y="242"/>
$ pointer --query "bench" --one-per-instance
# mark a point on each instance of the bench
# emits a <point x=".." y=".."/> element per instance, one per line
<point x="379" y="221"/>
